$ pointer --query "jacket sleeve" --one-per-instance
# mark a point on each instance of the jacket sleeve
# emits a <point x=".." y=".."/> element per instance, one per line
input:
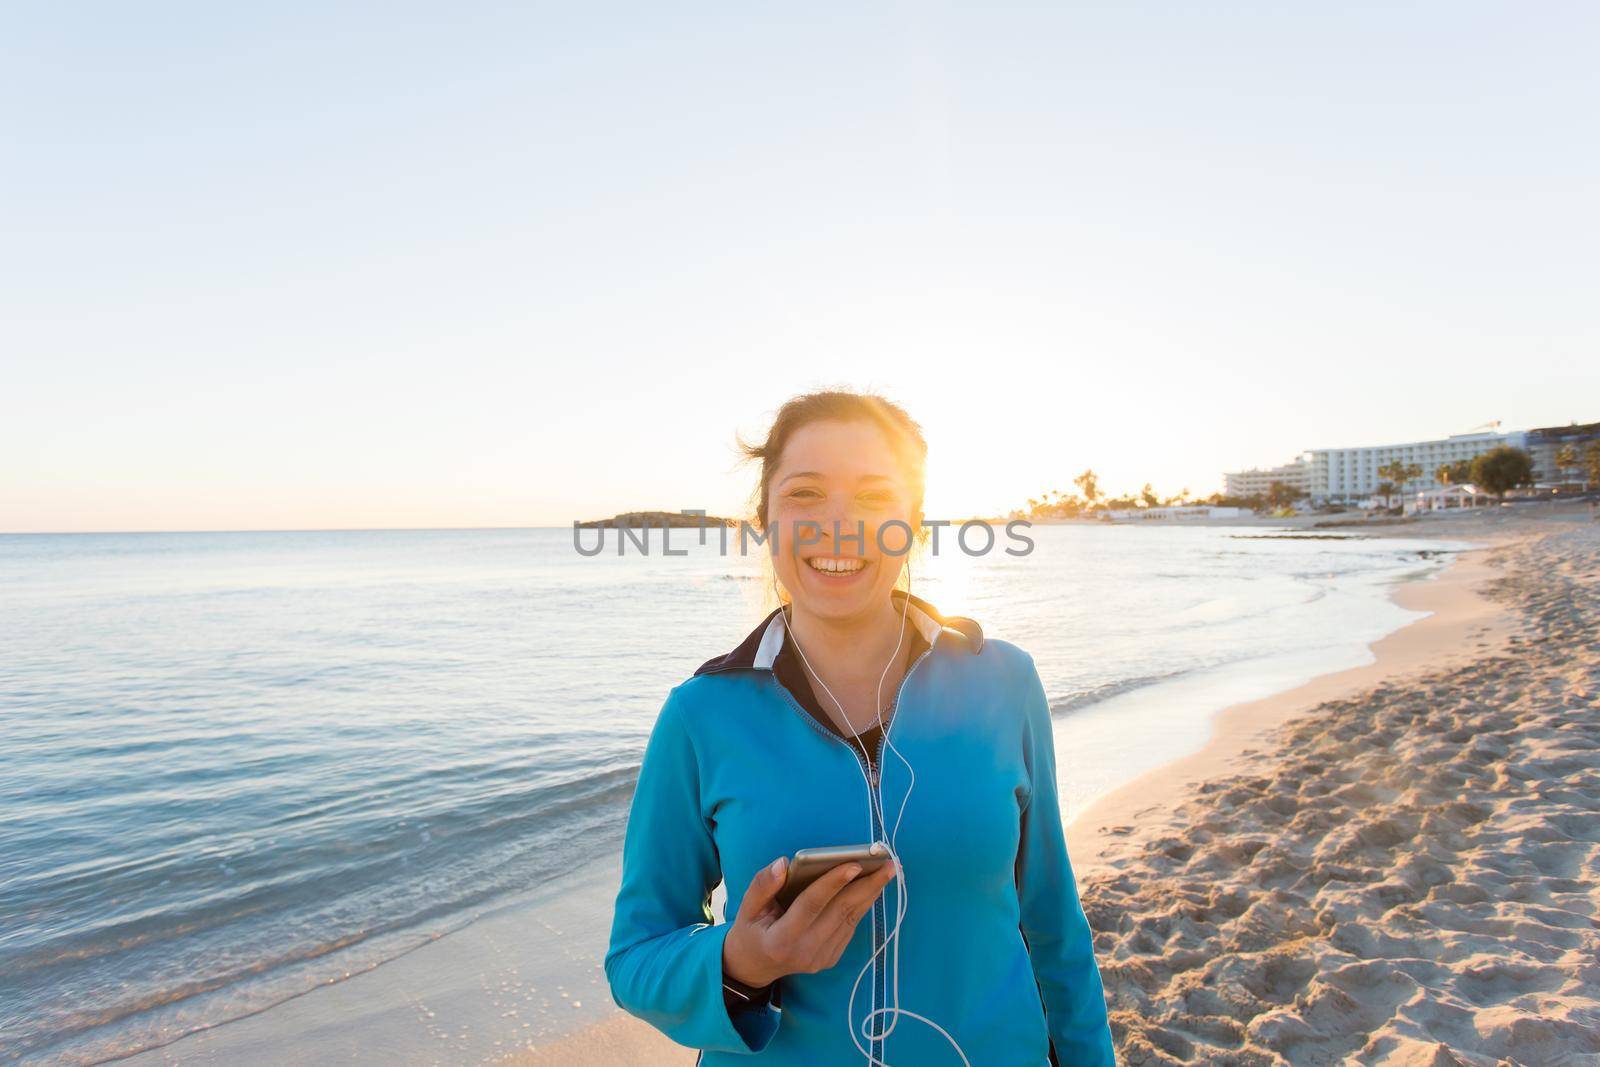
<point x="1053" y="923"/>
<point x="664" y="963"/>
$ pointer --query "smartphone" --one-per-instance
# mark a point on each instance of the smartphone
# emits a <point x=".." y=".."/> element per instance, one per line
<point x="809" y="864"/>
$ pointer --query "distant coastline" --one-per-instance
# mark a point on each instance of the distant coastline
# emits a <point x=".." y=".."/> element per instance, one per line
<point x="636" y="520"/>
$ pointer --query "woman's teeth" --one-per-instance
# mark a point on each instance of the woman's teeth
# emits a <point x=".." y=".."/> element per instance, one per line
<point x="836" y="564"/>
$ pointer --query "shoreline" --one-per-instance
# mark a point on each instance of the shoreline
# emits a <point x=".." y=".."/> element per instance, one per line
<point x="1461" y="624"/>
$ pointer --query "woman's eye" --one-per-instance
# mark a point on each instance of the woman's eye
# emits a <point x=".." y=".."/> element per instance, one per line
<point x="804" y="494"/>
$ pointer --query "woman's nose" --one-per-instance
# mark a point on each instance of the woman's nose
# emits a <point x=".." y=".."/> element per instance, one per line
<point x="842" y="525"/>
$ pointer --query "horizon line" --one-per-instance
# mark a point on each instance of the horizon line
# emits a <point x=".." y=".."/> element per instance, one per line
<point x="348" y="529"/>
<point x="279" y="529"/>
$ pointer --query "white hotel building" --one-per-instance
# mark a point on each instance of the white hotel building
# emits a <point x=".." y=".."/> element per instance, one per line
<point x="1258" y="482"/>
<point x="1351" y="474"/>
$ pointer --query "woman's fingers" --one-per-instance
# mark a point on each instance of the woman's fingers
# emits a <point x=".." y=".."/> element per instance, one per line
<point x="809" y="905"/>
<point x="823" y="941"/>
<point x="813" y="931"/>
<point x="852" y="906"/>
<point x="834" y="948"/>
<point x="854" y="901"/>
<point x="763" y="889"/>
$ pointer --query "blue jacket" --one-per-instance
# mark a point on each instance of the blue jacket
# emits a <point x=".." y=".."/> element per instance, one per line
<point x="994" y="947"/>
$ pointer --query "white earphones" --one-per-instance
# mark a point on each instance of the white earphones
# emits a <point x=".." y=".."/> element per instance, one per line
<point x="875" y="805"/>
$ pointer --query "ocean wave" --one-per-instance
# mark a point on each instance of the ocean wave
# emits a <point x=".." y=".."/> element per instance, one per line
<point x="1085" y="697"/>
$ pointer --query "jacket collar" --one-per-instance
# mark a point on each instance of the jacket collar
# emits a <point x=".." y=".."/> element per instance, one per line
<point x="760" y="648"/>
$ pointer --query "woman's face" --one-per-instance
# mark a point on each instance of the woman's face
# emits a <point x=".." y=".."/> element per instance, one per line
<point x="840" y="471"/>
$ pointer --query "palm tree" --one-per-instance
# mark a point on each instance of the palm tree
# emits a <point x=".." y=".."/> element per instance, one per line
<point x="1591" y="462"/>
<point x="1566" y="460"/>
<point x="1400" y="474"/>
<point x="1089" y="483"/>
<point x="1391" y="474"/>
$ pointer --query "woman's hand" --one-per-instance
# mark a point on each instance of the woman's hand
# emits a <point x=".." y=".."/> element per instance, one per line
<point x="765" y="942"/>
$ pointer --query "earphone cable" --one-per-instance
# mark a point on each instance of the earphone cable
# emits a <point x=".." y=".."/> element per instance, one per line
<point x="903" y="898"/>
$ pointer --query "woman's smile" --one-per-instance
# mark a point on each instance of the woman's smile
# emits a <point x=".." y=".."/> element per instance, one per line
<point x="838" y="570"/>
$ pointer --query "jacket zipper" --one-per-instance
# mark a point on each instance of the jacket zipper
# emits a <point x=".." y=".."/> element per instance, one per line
<point x="874" y="787"/>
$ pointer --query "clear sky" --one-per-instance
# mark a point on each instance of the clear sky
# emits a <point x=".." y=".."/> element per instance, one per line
<point x="309" y="265"/>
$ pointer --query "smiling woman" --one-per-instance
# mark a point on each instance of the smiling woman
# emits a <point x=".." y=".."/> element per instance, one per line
<point x="778" y="746"/>
<point x="835" y="468"/>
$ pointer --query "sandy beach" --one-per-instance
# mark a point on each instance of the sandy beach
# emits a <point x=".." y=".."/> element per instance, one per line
<point x="1405" y="874"/>
<point x="1395" y="864"/>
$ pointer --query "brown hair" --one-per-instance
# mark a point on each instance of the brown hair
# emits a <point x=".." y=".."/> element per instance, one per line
<point x="904" y="436"/>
